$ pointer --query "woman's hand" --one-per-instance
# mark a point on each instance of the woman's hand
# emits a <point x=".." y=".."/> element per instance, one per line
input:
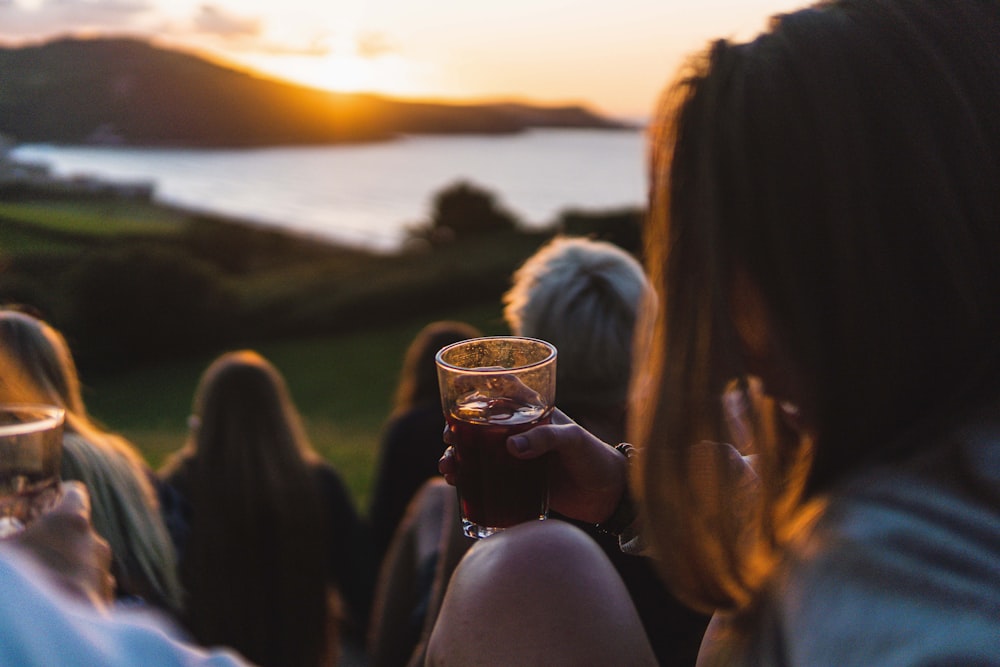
<point x="63" y="541"/>
<point x="587" y="477"/>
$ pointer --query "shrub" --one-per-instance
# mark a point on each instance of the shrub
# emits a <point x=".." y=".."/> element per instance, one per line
<point x="146" y="303"/>
<point x="464" y="211"/>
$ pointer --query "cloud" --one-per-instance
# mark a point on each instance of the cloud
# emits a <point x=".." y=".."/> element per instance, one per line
<point x="373" y="45"/>
<point x="99" y="7"/>
<point x="42" y="19"/>
<point x="214" y="20"/>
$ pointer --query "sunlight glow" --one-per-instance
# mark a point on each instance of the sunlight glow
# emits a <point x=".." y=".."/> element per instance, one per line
<point x="614" y="57"/>
<point x="345" y="72"/>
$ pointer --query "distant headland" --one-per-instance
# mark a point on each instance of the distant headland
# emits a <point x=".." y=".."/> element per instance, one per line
<point x="130" y="92"/>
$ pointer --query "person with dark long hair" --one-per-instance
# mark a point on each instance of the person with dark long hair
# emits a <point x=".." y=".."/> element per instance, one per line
<point x="274" y="536"/>
<point x="411" y="439"/>
<point x="825" y="226"/>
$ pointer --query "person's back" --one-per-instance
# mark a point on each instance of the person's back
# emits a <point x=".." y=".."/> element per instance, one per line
<point x="258" y="557"/>
<point x="56" y="608"/>
<point x="411" y="442"/>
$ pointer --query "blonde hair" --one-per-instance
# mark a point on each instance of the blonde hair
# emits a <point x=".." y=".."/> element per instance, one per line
<point x="126" y="514"/>
<point x="125" y="508"/>
<point x="582" y="296"/>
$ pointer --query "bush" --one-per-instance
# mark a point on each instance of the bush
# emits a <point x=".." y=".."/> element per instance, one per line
<point x="623" y="227"/>
<point x="464" y="211"/>
<point x="142" y="304"/>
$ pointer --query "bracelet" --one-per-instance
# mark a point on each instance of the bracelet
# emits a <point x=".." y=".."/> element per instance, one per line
<point x="625" y="514"/>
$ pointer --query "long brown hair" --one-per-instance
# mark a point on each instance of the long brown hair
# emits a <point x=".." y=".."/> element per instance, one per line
<point x="257" y="562"/>
<point x="418" y="380"/>
<point x="843" y="167"/>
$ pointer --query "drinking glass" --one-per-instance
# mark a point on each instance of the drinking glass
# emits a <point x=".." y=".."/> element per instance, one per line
<point x="30" y="451"/>
<point x="491" y="388"/>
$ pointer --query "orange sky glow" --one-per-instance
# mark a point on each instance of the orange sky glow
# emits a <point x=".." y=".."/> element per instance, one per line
<point x="613" y="57"/>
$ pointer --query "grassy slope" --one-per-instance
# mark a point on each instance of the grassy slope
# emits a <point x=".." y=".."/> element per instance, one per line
<point x="343" y="386"/>
<point x="99" y="217"/>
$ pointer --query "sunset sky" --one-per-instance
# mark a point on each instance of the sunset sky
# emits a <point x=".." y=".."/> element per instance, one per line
<point x="612" y="55"/>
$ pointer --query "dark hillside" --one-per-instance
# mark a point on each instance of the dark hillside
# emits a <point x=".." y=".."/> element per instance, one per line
<point x="127" y="91"/>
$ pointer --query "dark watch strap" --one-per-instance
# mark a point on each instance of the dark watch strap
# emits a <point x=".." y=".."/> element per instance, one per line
<point x="626" y="513"/>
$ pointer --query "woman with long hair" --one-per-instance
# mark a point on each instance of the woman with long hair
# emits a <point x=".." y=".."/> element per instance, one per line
<point x="411" y="439"/>
<point x="39" y="367"/>
<point x="824" y="224"/>
<point x="273" y="532"/>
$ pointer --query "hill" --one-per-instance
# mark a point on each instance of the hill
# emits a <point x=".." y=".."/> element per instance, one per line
<point x="127" y="91"/>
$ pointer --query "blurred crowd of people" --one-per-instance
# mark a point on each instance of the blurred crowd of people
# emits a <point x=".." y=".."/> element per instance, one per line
<point x="806" y="361"/>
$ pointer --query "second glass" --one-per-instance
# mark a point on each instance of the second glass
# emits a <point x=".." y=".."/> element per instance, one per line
<point x="492" y="388"/>
<point x="30" y="452"/>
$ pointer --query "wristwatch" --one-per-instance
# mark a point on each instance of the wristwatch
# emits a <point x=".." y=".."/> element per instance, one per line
<point x="625" y="514"/>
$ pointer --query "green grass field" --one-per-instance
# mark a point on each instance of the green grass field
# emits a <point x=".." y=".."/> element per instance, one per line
<point x="98" y="217"/>
<point x="342" y="385"/>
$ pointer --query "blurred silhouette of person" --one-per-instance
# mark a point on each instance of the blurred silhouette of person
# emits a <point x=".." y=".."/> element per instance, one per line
<point x="57" y="592"/>
<point x="823" y="217"/>
<point x="425" y="550"/>
<point x="274" y="535"/>
<point x="411" y="441"/>
<point x="125" y="503"/>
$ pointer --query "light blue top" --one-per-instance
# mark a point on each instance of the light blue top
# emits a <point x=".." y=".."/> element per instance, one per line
<point x="901" y="568"/>
<point x="39" y="625"/>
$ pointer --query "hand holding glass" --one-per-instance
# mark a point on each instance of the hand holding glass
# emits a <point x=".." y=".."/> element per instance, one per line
<point x="492" y="388"/>
<point x="30" y="452"/>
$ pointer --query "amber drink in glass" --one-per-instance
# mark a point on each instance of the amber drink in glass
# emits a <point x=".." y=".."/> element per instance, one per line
<point x="30" y="453"/>
<point x="492" y="388"/>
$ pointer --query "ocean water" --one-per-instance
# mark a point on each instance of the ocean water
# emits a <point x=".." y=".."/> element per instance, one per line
<point x="367" y="195"/>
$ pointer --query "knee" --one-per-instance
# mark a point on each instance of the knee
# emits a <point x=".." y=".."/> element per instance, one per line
<point x="534" y="552"/>
<point x="509" y="587"/>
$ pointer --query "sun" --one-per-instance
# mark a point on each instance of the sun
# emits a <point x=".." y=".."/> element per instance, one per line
<point x="342" y="72"/>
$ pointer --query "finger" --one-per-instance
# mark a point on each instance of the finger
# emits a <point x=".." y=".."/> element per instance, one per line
<point x="102" y="551"/>
<point x="447" y="466"/>
<point x="108" y="586"/>
<point x="74" y="499"/>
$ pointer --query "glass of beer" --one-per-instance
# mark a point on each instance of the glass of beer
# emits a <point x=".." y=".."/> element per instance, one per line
<point x="492" y="388"/>
<point x="30" y="453"/>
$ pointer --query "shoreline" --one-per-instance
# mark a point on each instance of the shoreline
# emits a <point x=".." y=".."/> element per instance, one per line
<point x="366" y="196"/>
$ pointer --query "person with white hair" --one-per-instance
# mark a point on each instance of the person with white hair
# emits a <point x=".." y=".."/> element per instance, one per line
<point x="584" y="297"/>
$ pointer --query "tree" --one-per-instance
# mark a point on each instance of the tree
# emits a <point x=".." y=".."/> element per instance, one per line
<point x="463" y="211"/>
